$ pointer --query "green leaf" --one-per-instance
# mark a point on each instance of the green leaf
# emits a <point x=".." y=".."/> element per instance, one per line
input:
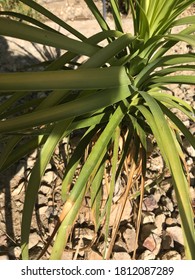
<point x="96" y="192"/>
<point x="168" y="60"/>
<point x="28" y="19"/>
<point x="111" y="50"/>
<point x="98" y="16"/>
<point x="68" y="79"/>
<point x="184" y="21"/>
<point x="144" y="27"/>
<point x="180" y="79"/>
<point x="116" y="15"/>
<point x="71" y="109"/>
<point x="174" y="102"/>
<point x="30" y="33"/>
<point x="178" y="37"/>
<point x="170" y="70"/>
<point x="167" y="144"/>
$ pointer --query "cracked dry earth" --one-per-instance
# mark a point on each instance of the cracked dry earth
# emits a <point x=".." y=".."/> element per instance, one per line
<point x="160" y="235"/>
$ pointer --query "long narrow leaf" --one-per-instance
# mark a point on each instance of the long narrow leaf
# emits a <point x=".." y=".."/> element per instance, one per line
<point x="103" y="24"/>
<point x="96" y="192"/>
<point x="180" y="79"/>
<point x="23" y="31"/>
<point x="75" y="108"/>
<point x="180" y="182"/>
<point x="78" y="79"/>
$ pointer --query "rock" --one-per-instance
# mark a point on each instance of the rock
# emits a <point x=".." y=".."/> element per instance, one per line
<point x="158" y="193"/>
<point x="35" y="251"/>
<point x="120" y="245"/>
<point x="147" y="255"/>
<point x="31" y="160"/>
<point x="171" y="221"/>
<point x="192" y="129"/>
<point x="166" y="201"/>
<point x="169" y="204"/>
<point x="129" y="236"/>
<point x="159" y="220"/>
<point x="66" y="255"/>
<point x="189" y="149"/>
<point x="20" y="171"/>
<point x="15" y="252"/>
<point x="121" y="256"/>
<point x="127" y="211"/>
<point x="189" y="161"/>
<point x="42" y="199"/>
<point x="187" y="123"/>
<point x="49" y="177"/>
<point x="166" y="185"/>
<point x="85" y="233"/>
<point x="44" y="189"/>
<point x="125" y="216"/>
<point x="33" y="240"/>
<point x="173" y="197"/>
<point x="93" y="255"/>
<point x="167" y="242"/>
<point x="146" y="230"/>
<point x="57" y="196"/>
<point x="149" y="203"/>
<point x="18" y="205"/>
<point x="156" y="163"/>
<point x="153" y="243"/>
<point x="178" y="218"/>
<point x="51" y="227"/>
<point x="148" y="218"/>
<point x="171" y="255"/>
<point x="51" y="212"/>
<point x="192" y="180"/>
<point x="18" y="189"/>
<point x="176" y="233"/>
<point x="192" y="193"/>
<point x="3" y="239"/>
<point x="43" y="210"/>
<point x="4" y="258"/>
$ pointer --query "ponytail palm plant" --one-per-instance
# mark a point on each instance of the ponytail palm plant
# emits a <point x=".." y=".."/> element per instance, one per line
<point x="118" y="97"/>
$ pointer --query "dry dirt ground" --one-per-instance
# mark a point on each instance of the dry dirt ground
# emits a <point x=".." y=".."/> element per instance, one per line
<point x="160" y="235"/>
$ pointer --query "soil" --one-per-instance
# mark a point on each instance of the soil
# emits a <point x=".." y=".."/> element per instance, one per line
<point x="160" y="235"/>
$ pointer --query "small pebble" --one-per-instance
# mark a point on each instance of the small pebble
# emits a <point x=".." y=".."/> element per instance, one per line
<point x="4" y="257"/>
<point x="176" y="233"/>
<point x="171" y="255"/>
<point x="121" y="256"/>
<point x="147" y="255"/>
